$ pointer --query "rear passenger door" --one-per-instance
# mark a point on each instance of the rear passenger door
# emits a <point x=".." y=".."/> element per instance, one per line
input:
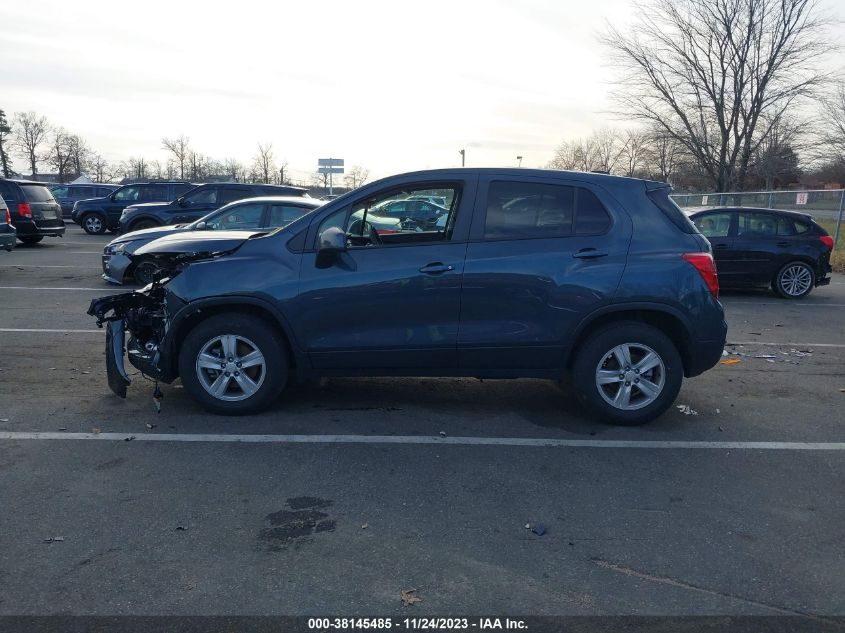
<point x="719" y="229"/>
<point x="758" y="246"/>
<point x="542" y="254"/>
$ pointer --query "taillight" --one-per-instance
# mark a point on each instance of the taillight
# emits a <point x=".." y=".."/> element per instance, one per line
<point x="8" y="216"/>
<point x="24" y="210"/>
<point x="706" y="267"/>
<point x="827" y="241"/>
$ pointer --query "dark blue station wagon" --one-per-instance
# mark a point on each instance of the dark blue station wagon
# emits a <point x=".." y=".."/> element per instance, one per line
<point x="524" y="273"/>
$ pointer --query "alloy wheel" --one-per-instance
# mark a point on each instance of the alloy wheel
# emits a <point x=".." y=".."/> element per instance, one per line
<point x="630" y="376"/>
<point x="93" y="224"/>
<point x="796" y="280"/>
<point x="230" y="367"/>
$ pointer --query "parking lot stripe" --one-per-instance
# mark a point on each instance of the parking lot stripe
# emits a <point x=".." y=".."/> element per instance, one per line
<point x="106" y="289"/>
<point x="89" y="267"/>
<point x="12" y="329"/>
<point x="730" y="304"/>
<point x="787" y="344"/>
<point x="530" y="442"/>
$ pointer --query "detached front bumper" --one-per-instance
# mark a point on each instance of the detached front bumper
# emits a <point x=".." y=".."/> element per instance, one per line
<point x="142" y="314"/>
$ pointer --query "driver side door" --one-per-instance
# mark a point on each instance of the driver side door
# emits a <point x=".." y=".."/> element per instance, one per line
<point x="391" y="300"/>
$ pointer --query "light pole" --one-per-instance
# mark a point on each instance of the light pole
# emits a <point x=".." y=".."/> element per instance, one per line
<point x="463" y="154"/>
<point x="519" y="158"/>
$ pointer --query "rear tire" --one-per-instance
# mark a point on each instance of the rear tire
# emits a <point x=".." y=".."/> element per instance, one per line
<point x="31" y="239"/>
<point x="794" y="281"/>
<point x="627" y="373"/>
<point x="93" y="224"/>
<point x="222" y="386"/>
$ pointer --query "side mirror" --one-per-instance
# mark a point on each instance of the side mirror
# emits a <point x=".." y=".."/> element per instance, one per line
<point x="332" y="240"/>
<point x="201" y="226"/>
<point x="182" y="202"/>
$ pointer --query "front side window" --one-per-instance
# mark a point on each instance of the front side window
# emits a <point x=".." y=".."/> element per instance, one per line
<point x="203" y="196"/>
<point x="714" y="224"/>
<point x="243" y="216"/>
<point x="127" y="194"/>
<point x="83" y="192"/>
<point x="398" y="218"/>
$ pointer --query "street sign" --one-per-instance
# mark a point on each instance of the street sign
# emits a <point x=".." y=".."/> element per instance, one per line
<point x="330" y="162"/>
<point x="330" y="166"/>
<point x="801" y="198"/>
<point x="330" y="170"/>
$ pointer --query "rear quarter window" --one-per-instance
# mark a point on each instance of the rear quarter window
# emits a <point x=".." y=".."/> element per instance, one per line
<point x="660" y="198"/>
<point x="37" y="193"/>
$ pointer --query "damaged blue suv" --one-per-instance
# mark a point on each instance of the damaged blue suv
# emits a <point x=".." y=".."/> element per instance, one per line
<point x="523" y="273"/>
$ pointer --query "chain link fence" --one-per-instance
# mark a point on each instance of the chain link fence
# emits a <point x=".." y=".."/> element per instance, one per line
<point x="825" y="205"/>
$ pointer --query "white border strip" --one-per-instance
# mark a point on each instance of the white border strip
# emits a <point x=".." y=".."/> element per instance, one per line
<point x="13" y="329"/>
<point x="422" y="439"/>
<point x="103" y="289"/>
<point x="787" y="344"/>
<point x="804" y="304"/>
<point x="89" y="267"/>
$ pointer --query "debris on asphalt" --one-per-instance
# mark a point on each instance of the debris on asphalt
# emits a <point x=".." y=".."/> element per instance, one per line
<point x="408" y="598"/>
<point x="442" y="433"/>
<point x="52" y="369"/>
<point x="54" y="539"/>
<point x="686" y="409"/>
<point x="181" y="528"/>
<point x="151" y="426"/>
<point x="364" y="526"/>
<point x="527" y="526"/>
<point x="4" y="419"/>
<point x="95" y="430"/>
<point x="724" y="352"/>
<point x="842" y="390"/>
<point x="539" y="529"/>
<point x="766" y="356"/>
<point x="721" y="429"/>
<point x="129" y="439"/>
<point x="717" y="411"/>
<point x="730" y="361"/>
<point x="63" y="428"/>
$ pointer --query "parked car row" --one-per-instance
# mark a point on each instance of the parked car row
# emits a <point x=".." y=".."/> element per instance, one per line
<point x="32" y="210"/>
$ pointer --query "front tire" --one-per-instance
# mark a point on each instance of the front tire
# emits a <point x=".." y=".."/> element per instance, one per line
<point x="234" y="364"/>
<point x="794" y="281"/>
<point x="144" y="272"/>
<point x="93" y="224"/>
<point x="143" y="224"/>
<point x="627" y="373"/>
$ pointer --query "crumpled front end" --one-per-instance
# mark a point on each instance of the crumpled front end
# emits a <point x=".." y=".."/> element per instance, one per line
<point x="143" y="314"/>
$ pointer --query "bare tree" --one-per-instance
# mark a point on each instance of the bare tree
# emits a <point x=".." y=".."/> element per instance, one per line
<point x="319" y="179"/>
<point x="609" y="147"/>
<point x="832" y="141"/>
<point x="355" y="177"/>
<point x="5" y="132"/>
<point x="58" y="152"/>
<point x="578" y="155"/>
<point x="263" y="167"/>
<point x="233" y="168"/>
<point x="775" y="158"/>
<point x="181" y="150"/>
<point x="136" y="168"/>
<point x="633" y="155"/>
<point x="30" y="133"/>
<point x="283" y="180"/>
<point x="79" y="154"/>
<point x="100" y="168"/>
<point x="662" y="154"/>
<point x="707" y="71"/>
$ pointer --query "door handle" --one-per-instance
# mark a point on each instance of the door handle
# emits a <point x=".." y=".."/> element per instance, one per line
<point x="589" y="253"/>
<point x="436" y="268"/>
<point x="783" y="244"/>
<point x="720" y="247"/>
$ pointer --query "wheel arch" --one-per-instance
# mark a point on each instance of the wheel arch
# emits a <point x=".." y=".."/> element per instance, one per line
<point x="198" y="311"/>
<point x="665" y="318"/>
<point x="143" y="218"/>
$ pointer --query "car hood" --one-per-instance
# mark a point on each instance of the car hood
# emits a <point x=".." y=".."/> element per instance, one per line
<point x="148" y="234"/>
<point x="200" y="243"/>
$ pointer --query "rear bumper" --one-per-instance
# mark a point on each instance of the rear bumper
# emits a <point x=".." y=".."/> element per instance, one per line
<point x="702" y="355"/>
<point x="27" y="228"/>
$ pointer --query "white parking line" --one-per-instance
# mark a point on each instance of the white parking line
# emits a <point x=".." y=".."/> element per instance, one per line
<point x="12" y="329"/>
<point x="530" y="442"/>
<point x="105" y="289"/>
<point x="804" y="304"/>
<point x="90" y="267"/>
<point x="772" y="344"/>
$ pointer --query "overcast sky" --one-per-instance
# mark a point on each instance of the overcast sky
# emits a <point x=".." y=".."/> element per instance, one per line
<point x="389" y="85"/>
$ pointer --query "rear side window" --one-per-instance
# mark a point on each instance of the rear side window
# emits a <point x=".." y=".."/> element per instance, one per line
<point x="104" y="191"/>
<point x="155" y="193"/>
<point x="37" y="193"/>
<point x="756" y="225"/>
<point x="281" y="214"/>
<point x="801" y="227"/>
<point x="178" y="190"/>
<point x="660" y="197"/>
<point x="60" y="192"/>
<point x="527" y="210"/>
<point x="82" y="192"/>
<point x="714" y="224"/>
<point x="230" y="194"/>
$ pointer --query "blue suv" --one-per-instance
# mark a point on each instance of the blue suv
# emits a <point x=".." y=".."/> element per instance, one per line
<point x="525" y="273"/>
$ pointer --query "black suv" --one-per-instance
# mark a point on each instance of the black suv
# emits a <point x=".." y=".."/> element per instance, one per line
<point x="35" y="213"/>
<point x="531" y="273"/>
<point x="103" y="214"/>
<point x="68" y="195"/>
<point x="196" y="203"/>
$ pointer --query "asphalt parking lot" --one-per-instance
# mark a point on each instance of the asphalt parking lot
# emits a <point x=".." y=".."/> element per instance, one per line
<point x="349" y="492"/>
